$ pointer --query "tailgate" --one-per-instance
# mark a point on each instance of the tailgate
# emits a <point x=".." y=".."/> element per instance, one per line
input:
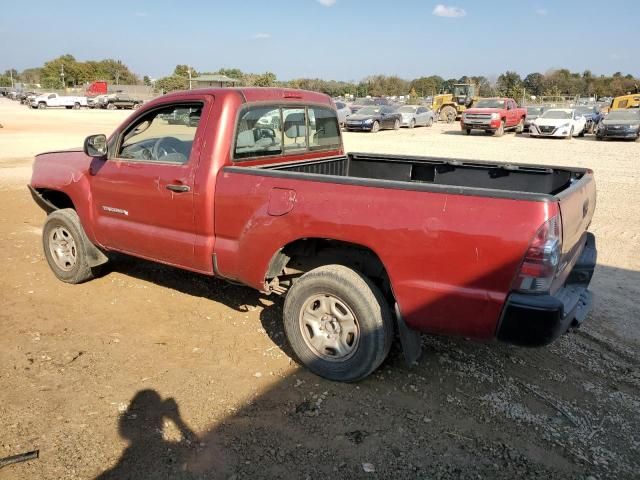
<point x="577" y="204"/>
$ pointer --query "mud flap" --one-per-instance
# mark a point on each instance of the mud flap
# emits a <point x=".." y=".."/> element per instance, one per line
<point x="411" y="340"/>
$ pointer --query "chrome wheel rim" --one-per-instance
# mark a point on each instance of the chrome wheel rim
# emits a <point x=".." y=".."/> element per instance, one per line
<point x="329" y="327"/>
<point x="63" y="249"/>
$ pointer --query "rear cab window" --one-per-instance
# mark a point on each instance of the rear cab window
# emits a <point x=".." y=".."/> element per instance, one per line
<point x="285" y="129"/>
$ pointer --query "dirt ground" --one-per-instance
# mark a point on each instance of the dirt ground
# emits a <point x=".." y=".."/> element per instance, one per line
<point x="151" y="372"/>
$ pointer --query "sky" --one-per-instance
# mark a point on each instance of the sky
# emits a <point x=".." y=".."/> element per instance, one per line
<point x="330" y="39"/>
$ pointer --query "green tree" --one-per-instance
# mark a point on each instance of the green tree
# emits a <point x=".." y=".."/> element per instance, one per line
<point x="509" y="84"/>
<point x="534" y="83"/>
<point x="266" y="79"/>
<point x="146" y="80"/>
<point x="172" y="83"/>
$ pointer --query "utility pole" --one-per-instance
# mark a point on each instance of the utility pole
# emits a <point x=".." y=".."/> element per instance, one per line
<point x="11" y="75"/>
<point x="189" y="70"/>
<point x="62" y="74"/>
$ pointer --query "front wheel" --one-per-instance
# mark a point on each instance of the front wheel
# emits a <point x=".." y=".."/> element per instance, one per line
<point x="42" y="105"/>
<point x="111" y="106"/>
<point x="338" y="323"/>
<point x="375" y="128"/>
<point x="430" y="122"/>
<point x="570" y="134"/>
<point x="448" y="114"/>
<point x="412" y="124"/>
<point x="396" y="125"/>
<point x="500" y="131"/>
<point x="65" y="246"/>
<point x="76" y="106"/>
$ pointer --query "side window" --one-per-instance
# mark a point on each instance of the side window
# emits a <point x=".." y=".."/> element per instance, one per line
<point x="294" y="128"/>
<point x="51" y="96"/>
<point x="164" y="135"/>
<point x="259" y="132"/>
<point x="323" y="128"/>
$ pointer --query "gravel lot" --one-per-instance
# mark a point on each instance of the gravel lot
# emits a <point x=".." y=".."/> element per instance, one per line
<point x="151" y="372"/>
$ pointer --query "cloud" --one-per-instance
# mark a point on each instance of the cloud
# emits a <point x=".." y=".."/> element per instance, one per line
<point x="448" y="11"/>
<point x="141" y="14"/>
<point x="542" y="11"/>
<point x="327" y="3"/>
<point x="261" y="36"/>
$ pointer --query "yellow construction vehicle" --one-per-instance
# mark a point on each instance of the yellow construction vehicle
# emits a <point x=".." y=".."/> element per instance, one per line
<point x="449" y="106"/>
<point x="626" y="101"/>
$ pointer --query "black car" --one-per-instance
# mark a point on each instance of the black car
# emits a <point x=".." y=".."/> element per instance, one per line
<point x="533" y="112"/>
<point x="374" y="118"/>
<point x="620" y="124"/>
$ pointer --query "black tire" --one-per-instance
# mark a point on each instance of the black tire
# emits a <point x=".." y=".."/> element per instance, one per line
<point x="76" y="106"/>
<point x="396" y="125"/>
<point x="68" y="107"/>
<point x="500" y="131"/>
<point x="111" y="106"/>
<point x="375" y="128"/>
<point x="520" y="126"/>
<point x="369" y="308"/>
<point x="67" y="219"/>
<point x="581" y="134"/>
<point x="467" y="131"/>
<point x="412" y="124"/>
<point x="430" y="122"/>
<point x="42" y="105"/>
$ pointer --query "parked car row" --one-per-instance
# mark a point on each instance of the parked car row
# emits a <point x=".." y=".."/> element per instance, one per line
<point x="41" y="101"/>
<point x="374" y="117"/>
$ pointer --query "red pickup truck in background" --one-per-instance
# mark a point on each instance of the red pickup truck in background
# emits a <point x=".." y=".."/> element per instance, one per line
<point x="494" y="115"/>
<point x="255" y="188"/>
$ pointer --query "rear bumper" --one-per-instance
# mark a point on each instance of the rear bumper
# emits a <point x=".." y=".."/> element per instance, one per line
<point x="532" y="320"/>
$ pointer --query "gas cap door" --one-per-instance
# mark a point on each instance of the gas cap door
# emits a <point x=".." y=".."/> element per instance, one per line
<point x="281" y="201"/>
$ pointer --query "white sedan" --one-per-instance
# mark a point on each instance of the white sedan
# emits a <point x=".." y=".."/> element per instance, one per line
<point x="558" y="122"/>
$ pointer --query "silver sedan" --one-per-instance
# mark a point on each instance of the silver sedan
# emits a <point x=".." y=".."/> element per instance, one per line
<point x="415" y="116"/>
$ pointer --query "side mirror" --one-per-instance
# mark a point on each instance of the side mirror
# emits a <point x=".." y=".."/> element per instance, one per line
<point x="96" y="145"/>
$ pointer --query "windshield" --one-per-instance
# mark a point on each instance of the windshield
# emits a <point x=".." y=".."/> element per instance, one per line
<point x="490" y="103"/>
<point x="585" y="110"/>
<point x="557" y="114"/>
<point x="369" y="111"/>
<point x="460" y="91"/>
<point x="535" y="110"/>
<point x="363" y="101"/>
<point x="407" y="109"/>
<point x="633" y="115"/>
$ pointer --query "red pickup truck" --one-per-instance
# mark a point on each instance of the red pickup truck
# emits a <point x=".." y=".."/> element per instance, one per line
<point x="255" y="188"/>
<point x="494" y="115"/>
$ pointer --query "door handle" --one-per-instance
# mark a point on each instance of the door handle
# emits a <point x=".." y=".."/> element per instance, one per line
<point x="178" y="188"/>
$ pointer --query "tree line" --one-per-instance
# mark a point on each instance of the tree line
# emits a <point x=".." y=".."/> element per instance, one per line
<point x="68" y="72"/>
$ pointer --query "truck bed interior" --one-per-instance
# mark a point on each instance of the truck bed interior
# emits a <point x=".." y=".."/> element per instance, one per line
<point x="438" y="171"/>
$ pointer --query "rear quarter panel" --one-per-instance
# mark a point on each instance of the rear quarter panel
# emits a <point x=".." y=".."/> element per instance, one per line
<point x="450" y="258"/>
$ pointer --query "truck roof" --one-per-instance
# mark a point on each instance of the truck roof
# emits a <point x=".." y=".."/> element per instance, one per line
<point x="259" y="94"/>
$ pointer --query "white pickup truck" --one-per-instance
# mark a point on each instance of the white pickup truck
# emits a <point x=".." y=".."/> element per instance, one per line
<point x="48" y="100"/>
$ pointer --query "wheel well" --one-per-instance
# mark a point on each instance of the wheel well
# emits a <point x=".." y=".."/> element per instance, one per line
<point x="304" y="255"/>
<point x="55" y="199"/>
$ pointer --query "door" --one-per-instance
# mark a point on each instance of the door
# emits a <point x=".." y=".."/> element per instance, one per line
<point x="143" y="194"/>
<point x="388" y="119"/>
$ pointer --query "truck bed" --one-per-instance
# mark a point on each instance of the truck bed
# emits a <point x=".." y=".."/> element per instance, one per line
<point x="480" y="178"/>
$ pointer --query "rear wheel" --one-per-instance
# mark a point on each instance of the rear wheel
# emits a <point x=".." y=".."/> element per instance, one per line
<point x="500" y="131"/>
<point x="111" y="106"/>
<point x="412" y="124"/>
<point x="520" y="127"/>
<point x="467" y="131"/>
<point x="375" y="128"/>
<point x="338" y="323"/>
<point x="76" y="106"/>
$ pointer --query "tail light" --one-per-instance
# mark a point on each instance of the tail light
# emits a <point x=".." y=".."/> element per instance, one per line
<point x="541" y="261"/>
